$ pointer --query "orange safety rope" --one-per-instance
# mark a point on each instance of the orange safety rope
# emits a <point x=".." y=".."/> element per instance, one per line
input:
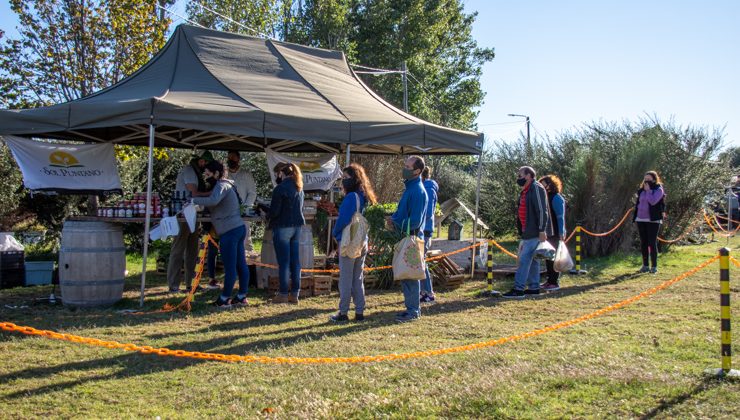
<point x="685" y="232"/>
<point x="624" y="218"/>
<point x="723" y="232"/>
<point x="7" y="326"/>
<point x="504" y="250"/>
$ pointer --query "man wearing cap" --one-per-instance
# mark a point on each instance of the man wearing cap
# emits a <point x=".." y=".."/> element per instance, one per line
<point x="185" y="245"/>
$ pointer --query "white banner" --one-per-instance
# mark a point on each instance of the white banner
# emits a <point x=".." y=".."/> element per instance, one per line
<point x="318" y="173"/>
<point x="65" y="168"/>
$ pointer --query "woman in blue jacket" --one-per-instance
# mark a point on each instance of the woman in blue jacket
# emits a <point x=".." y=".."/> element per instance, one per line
<point x="554" y="186"/>
<point x="358" y="194"/>
<point x="286" y="221"/>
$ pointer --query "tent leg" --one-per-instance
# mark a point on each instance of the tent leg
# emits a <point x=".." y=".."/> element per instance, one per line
<point x="349" y="146"/>
<point x="475" y="221"/>
<point x="148" y="214"/>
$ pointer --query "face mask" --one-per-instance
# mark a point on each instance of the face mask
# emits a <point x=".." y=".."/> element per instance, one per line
<point x="408" y="173"/>
<point x="278" y="180"/>
<point x="211" y="180"/>
<point x="349" y="184"/>
<point x="651" y="184"/>
<point x="233" y="165"/>
<point x="521" y="181"/>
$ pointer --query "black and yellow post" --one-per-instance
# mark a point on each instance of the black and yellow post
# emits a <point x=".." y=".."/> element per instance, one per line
<point x="578" y="269"/>
<point x="725" y="327"/>
<point x="489" y="272"/>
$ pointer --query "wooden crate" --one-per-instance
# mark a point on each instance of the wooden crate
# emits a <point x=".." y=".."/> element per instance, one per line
<point x="446" y="274"/>
<point x="273" y="285"/>
<point x="322" y="285"/>
<point x="319" y="261"/>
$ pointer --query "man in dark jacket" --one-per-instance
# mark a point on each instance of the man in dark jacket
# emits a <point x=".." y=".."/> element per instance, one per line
<point x="534" y="226"/>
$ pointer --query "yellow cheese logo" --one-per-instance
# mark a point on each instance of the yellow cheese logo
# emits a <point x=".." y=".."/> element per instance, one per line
<point x="309" y="166"/>
<point x="63" y="160"/>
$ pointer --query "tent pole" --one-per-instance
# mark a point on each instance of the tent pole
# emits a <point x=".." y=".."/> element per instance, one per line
<point x="348" y="152"/>
<point x="148" y="214"/>
<point x="475" y="221"/>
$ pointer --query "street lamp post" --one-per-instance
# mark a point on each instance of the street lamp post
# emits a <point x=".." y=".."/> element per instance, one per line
<point x="529" y="143"/>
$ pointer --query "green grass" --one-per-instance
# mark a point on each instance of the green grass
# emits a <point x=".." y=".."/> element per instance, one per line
<point x="644" y="360"/>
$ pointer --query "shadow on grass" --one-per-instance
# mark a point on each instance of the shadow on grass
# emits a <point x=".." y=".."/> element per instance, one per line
<point x="705" y="385"/>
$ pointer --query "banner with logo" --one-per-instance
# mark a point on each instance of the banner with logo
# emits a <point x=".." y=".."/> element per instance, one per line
<point x="66" y="168"/>
<point x="318" y="173"/>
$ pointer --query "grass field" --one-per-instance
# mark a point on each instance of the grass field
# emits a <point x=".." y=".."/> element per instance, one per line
<point x="645" y="360"/>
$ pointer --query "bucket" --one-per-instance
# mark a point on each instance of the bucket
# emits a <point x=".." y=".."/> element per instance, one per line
<point x="305" y="253"/>
<point x="92" y="263"/>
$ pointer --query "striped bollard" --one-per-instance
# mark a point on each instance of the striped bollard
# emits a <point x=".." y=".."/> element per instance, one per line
<point x="577" y="269"/>
<point x="489" y="273"/>
<point x="725" y="330"/>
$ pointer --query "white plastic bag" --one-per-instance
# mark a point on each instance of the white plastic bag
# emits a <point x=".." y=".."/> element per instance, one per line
<point x="563" y="261"/>
<point x="408" y="259"/>
<point x="544" y="251"/>
<point x="354" y="235"/>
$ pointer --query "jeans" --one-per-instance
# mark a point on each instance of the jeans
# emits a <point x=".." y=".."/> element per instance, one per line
<point x="286" y="241"/>
<point x="528" y="268"/>
<point x="426" y="284"/>
<point x="351" y="285"/>
<point x="211" y="260"/>
<point x="411" y="296"/>
<point x="232" y="253"/>
<point x="649" y="242"/>
<point x="553" y="277"/>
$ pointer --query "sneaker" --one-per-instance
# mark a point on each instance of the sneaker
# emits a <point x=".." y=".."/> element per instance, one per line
<point x="175" y="290"/>
<point x="653" y="270"/>
<point x="222" y="304"/>
<point x="338" y="317"/>
<point x="278" y="298"/>
<point x="531" y="292"/>
<point x="644" y="269"/>
<point x="293" y="299"/>
<point x="550" y="287"/>
<point x="514" y="294"/>
<point x="406" y="317"/>
<point x="198" y="289"/>
<point x="235" y="301"/>
<point x="359" y="317"/>
<point x="427" y="300"/>
<point x="213" y="285"/>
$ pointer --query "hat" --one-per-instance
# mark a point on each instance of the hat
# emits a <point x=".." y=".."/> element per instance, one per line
<point x="207" y="156"/>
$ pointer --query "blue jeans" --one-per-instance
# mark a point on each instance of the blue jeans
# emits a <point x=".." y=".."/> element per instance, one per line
<point x="426" y="284"/>
<point x="235" y="262"/>
<point x="285" y="241"/>
<point x="411" y="296"/>
<point x="211" y="260"/>
<point x="528" y="268"/>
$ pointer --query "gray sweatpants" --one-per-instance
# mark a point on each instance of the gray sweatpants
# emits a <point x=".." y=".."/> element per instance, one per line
<point x="351" y="284"/>
<point x="184" y="249"/>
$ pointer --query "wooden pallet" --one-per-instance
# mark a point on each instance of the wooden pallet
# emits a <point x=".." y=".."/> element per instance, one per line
<point x="273" y="286"/>
<point x="322" y="285"/>
<point x="446" y="273"/>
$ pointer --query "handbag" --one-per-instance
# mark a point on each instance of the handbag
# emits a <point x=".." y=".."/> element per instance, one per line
<point x="563" y="261"/>
<point x="408" y="257"/>
<point x="354" y="235"/>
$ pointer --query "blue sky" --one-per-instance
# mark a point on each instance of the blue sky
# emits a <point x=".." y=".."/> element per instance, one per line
<point x="571" y="62"/>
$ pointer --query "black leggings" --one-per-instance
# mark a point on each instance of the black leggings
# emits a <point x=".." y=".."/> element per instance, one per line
<point x="649" y="242"/>
<point x="553" y="277"/>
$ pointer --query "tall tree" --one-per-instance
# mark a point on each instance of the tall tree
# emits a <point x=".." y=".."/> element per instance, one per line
<point x="68" y="49"/>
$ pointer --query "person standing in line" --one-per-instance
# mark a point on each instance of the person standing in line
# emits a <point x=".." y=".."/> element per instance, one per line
<point x="286" y="220"/>
<point x="358" y="194"/>
<point x="648" y="215"/>
<point x="246" y="189"/>
<point x="534" y="226"/>
<point x="185" y="245"/>
<point x="553" y="187"/>
<point x="223" y="204"/>
<point x="410" y="215"/>
<point x="432" y="188"/>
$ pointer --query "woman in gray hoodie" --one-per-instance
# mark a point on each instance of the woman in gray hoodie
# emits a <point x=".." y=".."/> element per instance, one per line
<point x="223" y="204"/>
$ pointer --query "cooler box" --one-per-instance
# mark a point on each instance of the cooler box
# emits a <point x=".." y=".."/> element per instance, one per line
<point x="39" y="272"/>
<point x="12" y="271"/>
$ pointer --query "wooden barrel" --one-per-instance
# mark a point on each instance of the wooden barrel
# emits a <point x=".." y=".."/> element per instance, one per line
<point x="92" y="263"/>
<point x="305" y="253"/>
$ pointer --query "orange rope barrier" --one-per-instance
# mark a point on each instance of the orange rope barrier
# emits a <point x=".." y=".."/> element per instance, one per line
<point x="621" y="222"/>
<point x="504" y="250"/>
<point x="685" y="232"/>
<point x="7" y="326"/>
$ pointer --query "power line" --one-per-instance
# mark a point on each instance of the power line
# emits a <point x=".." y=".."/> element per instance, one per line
<point x="204" y="7"/>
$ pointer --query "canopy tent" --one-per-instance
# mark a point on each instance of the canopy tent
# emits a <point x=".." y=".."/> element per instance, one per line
<point x="227" y="91"/>
<point x="219" y="90"/>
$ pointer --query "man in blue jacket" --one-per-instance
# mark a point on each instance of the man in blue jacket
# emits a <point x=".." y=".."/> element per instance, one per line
<point x="431" y="187"/>
<point x="410" y="214"/>
<point x="533" y="223"/>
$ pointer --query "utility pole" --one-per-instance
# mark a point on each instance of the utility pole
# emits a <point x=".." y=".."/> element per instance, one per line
<point x="529" y="140"/>
<point x="405" y="79"/>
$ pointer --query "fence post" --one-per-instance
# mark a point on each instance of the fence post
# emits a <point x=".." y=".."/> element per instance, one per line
<point x="725" y="330"/>
<point x="489" y="273"/>
<point x="578" y="269"/>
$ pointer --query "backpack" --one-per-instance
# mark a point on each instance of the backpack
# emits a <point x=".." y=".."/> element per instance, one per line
<point x="354" y="235"/>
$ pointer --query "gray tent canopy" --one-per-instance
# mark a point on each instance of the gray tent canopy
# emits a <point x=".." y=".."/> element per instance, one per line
<point x="227" y="91"/>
